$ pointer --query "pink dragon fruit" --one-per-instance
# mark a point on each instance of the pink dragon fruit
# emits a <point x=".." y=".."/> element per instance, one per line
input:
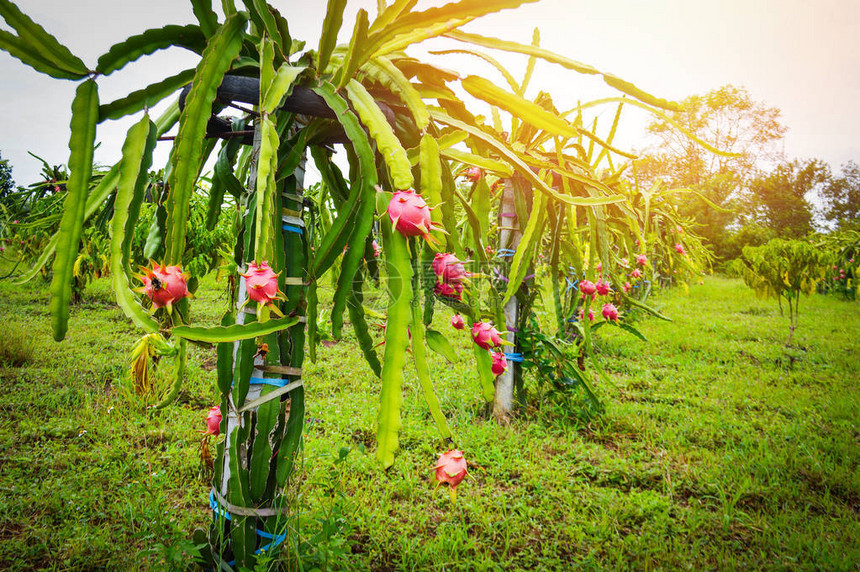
<point x="457" y="322"/>
<point x="641" y="260"/>
<point x="164" y="285"/>
<point x="261" y="283"/>
<point x="602" y="288"/>
<point x="590" y="315"/>
<point x="410" y="214"/>
<point x="451" y="469"/>
<point x="448" y="268"/>
<point x="377" y="250"/>
<point x="213" y="421"/>
<point x="627" y="287"/>
<point x="679" y="248"/>
<point x="485" y="335"/>
<point x="587" y="288"/>
<point x="448" y="290"/>
<point x="473" y="174"/>
<point x="500" y="363"/>
<point x="599" y="267"/>
<point x="610" y="312"/>
<point x="636" y="273"/>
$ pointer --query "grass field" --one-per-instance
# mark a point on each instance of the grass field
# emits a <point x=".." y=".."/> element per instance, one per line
<point x="719" y="449"/>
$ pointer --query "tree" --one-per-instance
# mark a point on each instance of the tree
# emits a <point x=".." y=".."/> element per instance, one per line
<point x="841" y="197"/>
<point x="746" y="131"/>
<point x="7" y="185"/>
<point x="783" y="269"/>
<point x="779" y="200"/>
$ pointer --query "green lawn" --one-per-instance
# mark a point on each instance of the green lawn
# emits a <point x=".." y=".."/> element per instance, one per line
<point x="719" y="449"/>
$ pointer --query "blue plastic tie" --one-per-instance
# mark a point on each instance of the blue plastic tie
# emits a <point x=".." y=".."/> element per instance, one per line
<point x="269" y="381"/>
<point x="571" y="284"/>
<point x="276" y="382"/>
<point x="503" y="252"/>
<point x="290" y="228"/>
<point x="515" y="357"/>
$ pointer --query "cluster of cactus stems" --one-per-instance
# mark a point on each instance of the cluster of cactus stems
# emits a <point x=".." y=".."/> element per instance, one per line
<point x="541" y="186"/>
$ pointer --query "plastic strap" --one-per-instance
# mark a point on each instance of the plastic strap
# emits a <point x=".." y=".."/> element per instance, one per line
<point x="514" y="357"/>
<point x="270" y="396"/>
<point x="293" y="220"/>
<point x="269" y="381"/>
<point x="290" y="212"/>
<point x="292" y="197"/>
<point x="294" y="229"/>
<point x="508" y="215"/>
<point x="503" y="252"/>
<point x="253" y="312"/>
<point x="295" y="281"/>
<point x="529" y="277"/>
<point x="281" y="369"/>
<point x="220" y="505"/>
<point x="512" y="329"/>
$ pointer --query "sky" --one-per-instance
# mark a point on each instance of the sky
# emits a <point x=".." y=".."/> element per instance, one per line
<point x="800" y="56"/>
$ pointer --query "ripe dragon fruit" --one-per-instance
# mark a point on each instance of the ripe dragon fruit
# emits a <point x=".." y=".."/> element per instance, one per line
<point x="457" y="322"/>
<point x="641" y="260"/>
<point x="485" y="335"/>
<point x="377" y="250"/>
<point x="590" y="315"/>
<point x="500" y="363"/>
<point x="627" y="287"/>
<point x="410" y="214"/>
<point x="448" y="268"/>
<point x="587" y="288"/>
<point x="213" y="421"/>
<point x="261" y="283"/>
<point x="164" y="285"/>
<point x="448" y="290"/>
<point x="451" y="469"/>
<point x="636" y="273"/>
<point x="610" y="312"/>
<point x="602" y="288"/>
<point x="679" y="248"/>
<point x="472" y="174"/>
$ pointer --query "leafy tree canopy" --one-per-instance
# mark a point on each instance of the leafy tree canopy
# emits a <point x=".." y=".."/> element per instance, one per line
<point x="780" y="199"/>
<point x="7" y="185"/>
<point x="747" y="131"/>
<point x="841" y="198"/>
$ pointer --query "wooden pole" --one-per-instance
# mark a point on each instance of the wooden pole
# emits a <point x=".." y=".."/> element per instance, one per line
<point x="509" y="240"/>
